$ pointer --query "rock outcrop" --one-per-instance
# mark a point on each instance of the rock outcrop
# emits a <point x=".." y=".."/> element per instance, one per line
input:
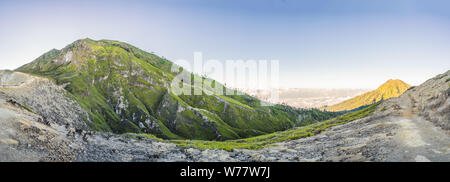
<point x="44" y="98"/>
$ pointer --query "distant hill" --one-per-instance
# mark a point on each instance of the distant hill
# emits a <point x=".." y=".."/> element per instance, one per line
<point x="391" y="88"/>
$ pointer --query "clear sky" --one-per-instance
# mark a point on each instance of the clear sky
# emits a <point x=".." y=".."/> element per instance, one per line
<point x="319" y="43"/>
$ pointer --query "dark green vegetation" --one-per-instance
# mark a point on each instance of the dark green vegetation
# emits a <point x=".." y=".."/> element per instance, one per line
<point x="126" y="90"/>
<point x="263" y="141"/>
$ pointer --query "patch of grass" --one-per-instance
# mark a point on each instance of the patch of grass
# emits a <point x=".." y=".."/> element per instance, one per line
<point x="27" y="108"/>
<point x="263" y="141"/>
<point x="230" y="100"/>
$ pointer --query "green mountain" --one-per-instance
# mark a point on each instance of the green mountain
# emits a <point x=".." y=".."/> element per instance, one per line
<point x="125" y="89"/>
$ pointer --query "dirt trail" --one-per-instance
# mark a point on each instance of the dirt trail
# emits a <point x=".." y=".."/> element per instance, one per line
<point x="421" y="140"/>
<point x="418" y="137"/>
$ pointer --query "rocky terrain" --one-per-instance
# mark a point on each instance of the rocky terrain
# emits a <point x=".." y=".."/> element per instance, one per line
<point x="412" y="127"/>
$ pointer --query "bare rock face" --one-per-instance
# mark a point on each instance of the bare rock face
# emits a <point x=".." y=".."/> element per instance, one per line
<point x="44" y="98"/>
<point x="24" y="136"/>
<point x="35" y="117"/>
<point x="10" y="79"/>
<point x="431" y="100"/>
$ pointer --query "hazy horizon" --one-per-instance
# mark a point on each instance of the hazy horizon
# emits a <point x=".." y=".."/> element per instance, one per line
<point x="320" y="44"/>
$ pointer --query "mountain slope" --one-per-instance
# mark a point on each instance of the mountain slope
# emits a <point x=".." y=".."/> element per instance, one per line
<point x="125" y="89"/>
<point x="391" y="88"/>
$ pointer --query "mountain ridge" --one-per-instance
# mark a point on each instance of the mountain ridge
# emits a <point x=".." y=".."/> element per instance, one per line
<point x="125" y="89"/>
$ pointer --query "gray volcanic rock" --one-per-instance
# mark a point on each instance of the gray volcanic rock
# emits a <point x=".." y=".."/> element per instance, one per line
<point x="44" y="98"/>
<point x="431" y="100"/>
<point x="23" y="136"/>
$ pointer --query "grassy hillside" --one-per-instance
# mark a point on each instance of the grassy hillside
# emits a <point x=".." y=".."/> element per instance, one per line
<point x="391" y="88"/>
<point x="125" y="90"/>
<point x="263" y="141"/>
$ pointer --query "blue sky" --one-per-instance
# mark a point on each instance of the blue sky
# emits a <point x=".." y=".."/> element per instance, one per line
<point x="320" y="44"/>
